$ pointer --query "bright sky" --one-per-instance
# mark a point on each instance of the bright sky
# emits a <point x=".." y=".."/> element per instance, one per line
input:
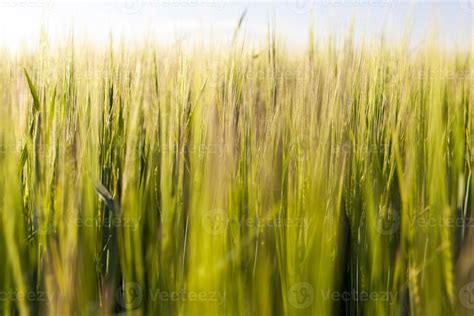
<point x="167" y="20"/>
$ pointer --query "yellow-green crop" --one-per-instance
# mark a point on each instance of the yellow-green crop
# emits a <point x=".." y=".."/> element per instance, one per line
<point x="193" y="181"/>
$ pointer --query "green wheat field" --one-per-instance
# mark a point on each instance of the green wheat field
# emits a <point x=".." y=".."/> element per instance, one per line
<point x="177" y="180"/>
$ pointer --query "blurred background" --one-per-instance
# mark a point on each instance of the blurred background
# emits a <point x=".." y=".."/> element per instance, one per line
<point x="201" y="21"/>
